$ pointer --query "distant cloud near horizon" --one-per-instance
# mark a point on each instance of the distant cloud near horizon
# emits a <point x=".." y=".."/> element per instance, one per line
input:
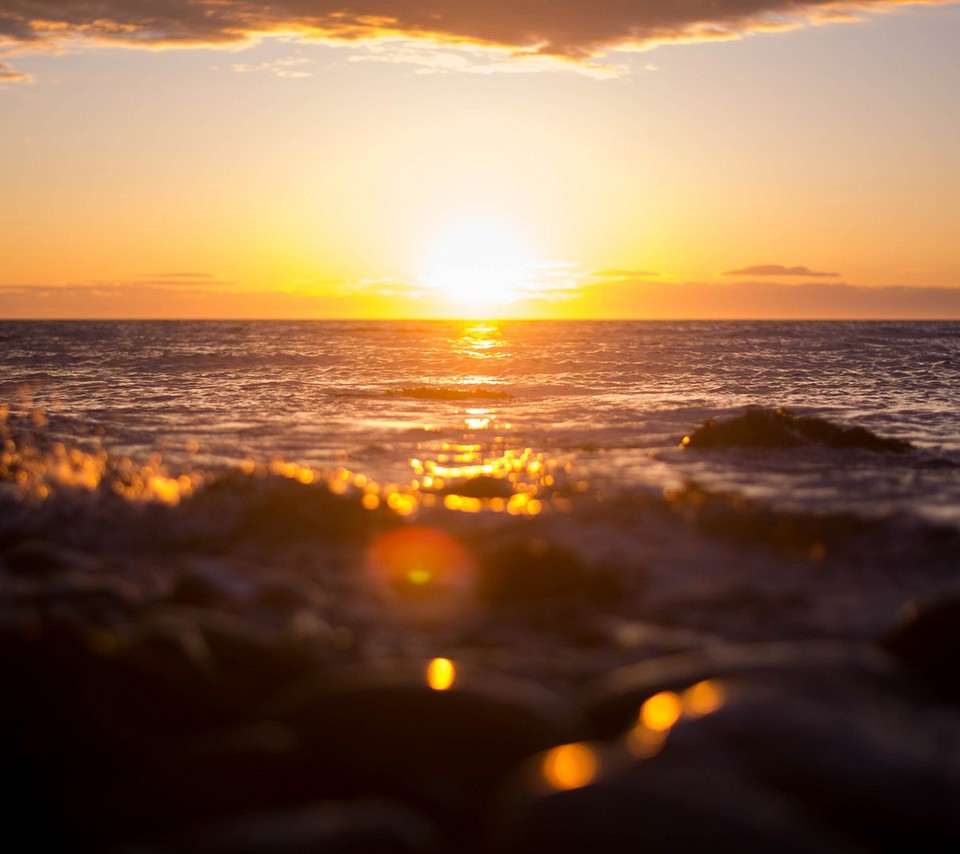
<point x="623" y="274"/>
<point x="575" y="30"/>
<point x="780" y="270"/>
<point x="612" y="299"/>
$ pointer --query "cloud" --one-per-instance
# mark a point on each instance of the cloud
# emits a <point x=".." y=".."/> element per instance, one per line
<point x="8" y="74"/>
<point x="614" y="299"/>
<point x="181" y="276"/>
<point x="140" y="300"/>
<point x="619" y="275"/>
<point x="575" y="30"/>
<point x="765" y="301"/>
<point x="178" y="280"/>
<point x="780" y="270"/>
<point x="431" y="57"/>
<point x="289" y="67"/>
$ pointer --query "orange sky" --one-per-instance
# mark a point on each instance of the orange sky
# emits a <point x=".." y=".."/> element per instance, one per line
<point x="455" y="159"/>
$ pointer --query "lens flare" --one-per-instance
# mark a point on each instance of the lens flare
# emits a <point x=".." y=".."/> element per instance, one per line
<point x="418" y="559"/>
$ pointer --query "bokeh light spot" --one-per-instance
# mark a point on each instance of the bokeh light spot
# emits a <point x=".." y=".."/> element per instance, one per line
<point x="570" y="766"/>
<point x="441" y="674"/>
<point x="701" y="699"/>
<point x="644" y="743"/>
<point x="661" y="711"/>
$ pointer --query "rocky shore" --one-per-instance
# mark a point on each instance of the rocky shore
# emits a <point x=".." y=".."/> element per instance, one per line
<point x="268" y="666"/>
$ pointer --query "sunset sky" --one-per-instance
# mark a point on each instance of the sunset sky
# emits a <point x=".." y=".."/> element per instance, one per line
<point x="550" y="158"/>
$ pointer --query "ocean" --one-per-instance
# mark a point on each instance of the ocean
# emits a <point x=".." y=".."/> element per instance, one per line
<point x="552" y="503"/>
<point x="607" y="402"/>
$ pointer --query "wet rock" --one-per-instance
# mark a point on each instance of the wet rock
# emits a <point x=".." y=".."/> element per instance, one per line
<point x="58" y="724"/>
<point x="384" y="730"/>
<point x="206" y="584"/>
<point x="610" y="703"/>
<point x="28" y="810"/>
<point x="239" y="662"/>
<point x="331" y="827"/>
<point x="815" y="535"/>
<point x="483" y="486"/>
<point x="167" y="678"/>
<point x="873" y="762"/>
<point x="53" y="665"/>
<point x="37" y="558"/>
<point x="281" y="595"/>
<point x="778" y="760"/>
<point x="89" y="600"/>
<point x="927" y="641"/>
<point x="533" y="571"/>
<point x="238" y="507"/>
<point x="253" y="660"/>
<point x="658" y="806"/>
<point x="759" y="427"/>
<point x="219" y="771"/>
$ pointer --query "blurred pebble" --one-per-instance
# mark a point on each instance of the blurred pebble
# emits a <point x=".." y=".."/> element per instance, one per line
<point x="210" y="773"/>
<point x="434" y="731"/>
<point x="927" y="641"/>
<point x="39" y="558"/>
<point x="533" y="571"/>
<point x="331" y="827"/>
<point x="281" y="594"/>
<point x="791" y="759"/>
<point x="656" y="807"/>
<point x="610" y="702"/>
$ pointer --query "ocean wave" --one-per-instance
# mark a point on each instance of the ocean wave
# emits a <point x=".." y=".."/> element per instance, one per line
<point x="446" y="393"/>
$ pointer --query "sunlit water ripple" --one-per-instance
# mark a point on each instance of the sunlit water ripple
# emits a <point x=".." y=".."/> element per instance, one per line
<point x="602" y="404"/>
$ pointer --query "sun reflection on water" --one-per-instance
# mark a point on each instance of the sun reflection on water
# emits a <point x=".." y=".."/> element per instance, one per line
<point x="479" y="464"/>
<point x="485" y="466"/>
<point x="481" y="340"/>
<point x="36" y="466"/>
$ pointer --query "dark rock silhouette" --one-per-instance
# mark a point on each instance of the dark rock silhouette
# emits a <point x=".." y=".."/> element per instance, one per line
<point x="483" y="486"/>
<point x="610" y="703"/>
<point x="759" y="427"/>
<point x="774" y="765"/>
<point x="390" y="730"/>
<point x="927" y="641"/>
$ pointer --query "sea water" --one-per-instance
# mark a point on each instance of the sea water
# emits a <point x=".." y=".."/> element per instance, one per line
<point x="605" y="405"/>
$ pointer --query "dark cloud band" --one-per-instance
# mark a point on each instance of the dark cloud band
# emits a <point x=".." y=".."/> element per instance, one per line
<point x="779" y="270"/>
<point x="567" y="28"/>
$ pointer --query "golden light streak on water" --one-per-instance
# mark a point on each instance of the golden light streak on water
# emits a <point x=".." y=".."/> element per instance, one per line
<point x="530" y="481"/>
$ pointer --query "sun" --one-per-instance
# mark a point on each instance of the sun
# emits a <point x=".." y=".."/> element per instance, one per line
<point x="477" y="264"/>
